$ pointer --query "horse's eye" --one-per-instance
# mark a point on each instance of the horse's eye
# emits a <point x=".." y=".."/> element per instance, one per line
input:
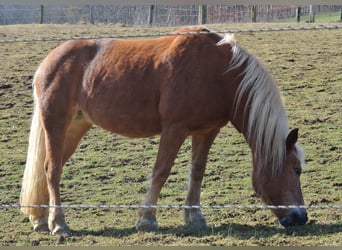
<point x="298" y="170"/>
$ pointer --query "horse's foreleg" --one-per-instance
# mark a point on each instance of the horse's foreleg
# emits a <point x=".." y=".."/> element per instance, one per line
<point x="170" y="141"/>
<point x="200" y="149"/>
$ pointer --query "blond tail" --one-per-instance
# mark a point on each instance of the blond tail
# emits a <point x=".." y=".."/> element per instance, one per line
<point x="34" y="187"/>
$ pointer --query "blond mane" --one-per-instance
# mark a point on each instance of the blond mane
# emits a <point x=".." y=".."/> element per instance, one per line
<point x="267" y="120"/>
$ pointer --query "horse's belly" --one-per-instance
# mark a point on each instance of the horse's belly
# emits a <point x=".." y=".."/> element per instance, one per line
<point x="136" y="127"/>
<point x="128" y="118"/>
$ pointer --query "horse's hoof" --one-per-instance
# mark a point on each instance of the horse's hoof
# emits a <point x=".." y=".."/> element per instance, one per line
<point x="41" y="225"/>
<point x="195" y="221"/>
<point x="63" y="230"/>
<point x="147" y="225"/>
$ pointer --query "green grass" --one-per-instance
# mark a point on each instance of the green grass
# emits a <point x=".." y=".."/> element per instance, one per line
<point x="110" y="169"/>
<point x="324" y="17"/>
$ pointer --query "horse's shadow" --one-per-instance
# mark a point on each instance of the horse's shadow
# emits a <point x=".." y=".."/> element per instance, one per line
<point x="238" y="231"/>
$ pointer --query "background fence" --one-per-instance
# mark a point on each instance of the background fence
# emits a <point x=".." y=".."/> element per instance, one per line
<point x="157" y="15"/>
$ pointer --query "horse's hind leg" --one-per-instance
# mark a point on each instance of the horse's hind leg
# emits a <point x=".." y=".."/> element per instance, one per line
<point x="62" y="138"/>
<point x="170" y="141"/>
<point x="200" y="148"/>
<point x="55" y="137"/>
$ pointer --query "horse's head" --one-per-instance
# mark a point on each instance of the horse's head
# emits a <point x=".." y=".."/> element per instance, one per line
<point x="284" y="187"/>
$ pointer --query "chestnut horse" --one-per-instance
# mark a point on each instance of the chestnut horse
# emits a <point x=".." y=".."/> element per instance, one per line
<point x="177" y="86"/>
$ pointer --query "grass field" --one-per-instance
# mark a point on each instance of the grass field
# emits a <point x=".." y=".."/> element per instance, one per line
<point x="323" y="17"/>
<point x="110" y="169"/>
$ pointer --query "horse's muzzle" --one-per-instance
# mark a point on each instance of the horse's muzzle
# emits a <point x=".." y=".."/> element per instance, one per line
<point x="296" y="217"/>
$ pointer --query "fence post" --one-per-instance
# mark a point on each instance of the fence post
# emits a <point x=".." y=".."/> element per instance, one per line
<point x="254" y="13"/>
<point x="91" y="14"/>
<point x="41" y="14"/>
<point x="150" y="15"/>
<point x="202" y="14"/>
<point x="340" y="14"/>
<point x="311" y="14"/>
<point x="298" y="14"/>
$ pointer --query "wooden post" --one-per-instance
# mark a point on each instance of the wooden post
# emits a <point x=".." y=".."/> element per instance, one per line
<point x="254" y="13"/>
<point x="340" y="14"/>
<point x="311" y="14"/>
<point x="91" y="14"/>
<point x="202" y="14"/>
<point x="41" y="14"/>
<point x="298" y="14"/>
<point x="150" y="15"/>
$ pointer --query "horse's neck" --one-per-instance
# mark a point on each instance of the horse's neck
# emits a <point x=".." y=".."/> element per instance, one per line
<point x="239" y="119"/>
<point x="240" y="116"/>
<point x="267" y="132"/>
<point x="258" y="112"/>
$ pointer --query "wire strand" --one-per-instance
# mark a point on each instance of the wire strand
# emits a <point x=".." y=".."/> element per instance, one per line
<point x="232" y="207"/>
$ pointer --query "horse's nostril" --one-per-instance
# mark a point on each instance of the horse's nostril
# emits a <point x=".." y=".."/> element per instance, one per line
<point x="295" y="217"/>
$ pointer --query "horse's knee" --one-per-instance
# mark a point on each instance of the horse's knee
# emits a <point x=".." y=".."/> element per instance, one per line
<point x="196" y="171"/>
<point x="160" y="176"/>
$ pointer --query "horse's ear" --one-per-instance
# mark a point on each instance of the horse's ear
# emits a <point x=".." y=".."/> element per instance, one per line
<point x="291" y="138"/>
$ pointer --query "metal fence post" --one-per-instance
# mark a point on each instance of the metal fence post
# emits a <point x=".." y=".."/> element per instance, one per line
<point x="41" y="14"/>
